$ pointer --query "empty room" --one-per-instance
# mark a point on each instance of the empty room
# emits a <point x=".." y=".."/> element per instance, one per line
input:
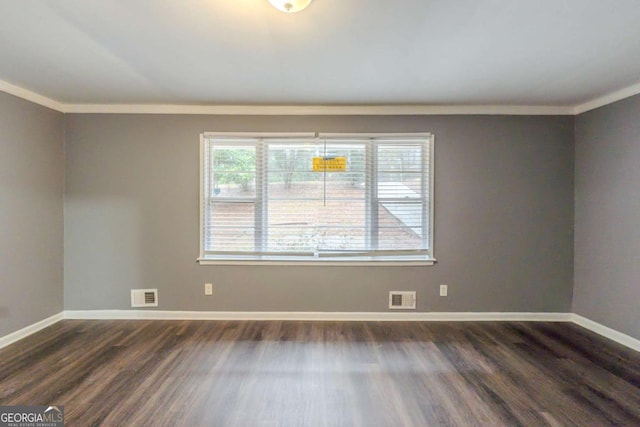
<point x="319" y="213"/>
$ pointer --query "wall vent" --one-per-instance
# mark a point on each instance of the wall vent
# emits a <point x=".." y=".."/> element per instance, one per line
<point x="402" y="300"/>
<point x="144" y="297"/>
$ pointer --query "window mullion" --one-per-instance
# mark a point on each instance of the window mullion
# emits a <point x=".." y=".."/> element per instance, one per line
<point x="205" y="182"/>
<point x="371" y="195"/>
<point x="261" y="206"/>
<point x="424" y="190"/>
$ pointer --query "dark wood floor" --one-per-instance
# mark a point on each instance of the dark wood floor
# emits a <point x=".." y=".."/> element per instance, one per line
<point x="219" y="373"/>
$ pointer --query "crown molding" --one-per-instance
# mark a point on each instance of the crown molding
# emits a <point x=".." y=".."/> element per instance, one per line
<point x="324" y="110"/>
<point x="321" y="110"/>
<point x="607" y="99"/>
<point x="286" y="110"/>
<point x="36" y="98"/>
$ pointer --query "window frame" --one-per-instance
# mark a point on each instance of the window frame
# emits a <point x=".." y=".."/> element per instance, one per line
<point x="423" y="259"/>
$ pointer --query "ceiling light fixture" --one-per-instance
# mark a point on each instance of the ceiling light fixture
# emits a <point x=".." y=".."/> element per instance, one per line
<point x="290" y="6"/>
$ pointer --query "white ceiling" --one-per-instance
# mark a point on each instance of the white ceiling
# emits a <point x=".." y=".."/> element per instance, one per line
<point x="336" y="52"/>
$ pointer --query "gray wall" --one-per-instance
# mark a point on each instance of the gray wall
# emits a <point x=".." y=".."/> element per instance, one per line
<point x="31" y="185"/>
<point x="503" y="218"/>
<point x="607" y="219"/>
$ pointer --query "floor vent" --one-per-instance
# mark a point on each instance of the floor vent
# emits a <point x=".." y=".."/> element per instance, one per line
<point x="144" y="297"/>
<point x="402" y="300"/>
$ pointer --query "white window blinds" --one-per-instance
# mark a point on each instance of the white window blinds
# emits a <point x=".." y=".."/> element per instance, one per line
<point x="327" y="197"/>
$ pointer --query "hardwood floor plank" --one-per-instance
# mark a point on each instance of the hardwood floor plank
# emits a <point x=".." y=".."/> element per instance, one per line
<point x="531" y="385"/>
<point x="279" y="373"/>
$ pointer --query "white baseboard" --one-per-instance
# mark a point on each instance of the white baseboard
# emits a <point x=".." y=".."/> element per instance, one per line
<point x="31" y="329"/>
<point x="598" y="328"/>
<point x="318" y="316"/>
<point x="606" y="332"/>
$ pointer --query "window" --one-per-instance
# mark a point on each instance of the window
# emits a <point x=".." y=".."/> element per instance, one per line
<point x="318" y="198"/>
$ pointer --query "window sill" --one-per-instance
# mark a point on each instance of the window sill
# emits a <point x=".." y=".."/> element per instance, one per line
<point x="363" y="261"/>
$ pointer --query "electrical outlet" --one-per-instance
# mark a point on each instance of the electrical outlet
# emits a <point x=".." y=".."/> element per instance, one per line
<point x="444" y="290"/>
<point x="208" y="288"/>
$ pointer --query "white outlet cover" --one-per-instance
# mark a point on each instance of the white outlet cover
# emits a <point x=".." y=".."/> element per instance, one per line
<point x="443" y="290"/>
<point x="208" y="288"/>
